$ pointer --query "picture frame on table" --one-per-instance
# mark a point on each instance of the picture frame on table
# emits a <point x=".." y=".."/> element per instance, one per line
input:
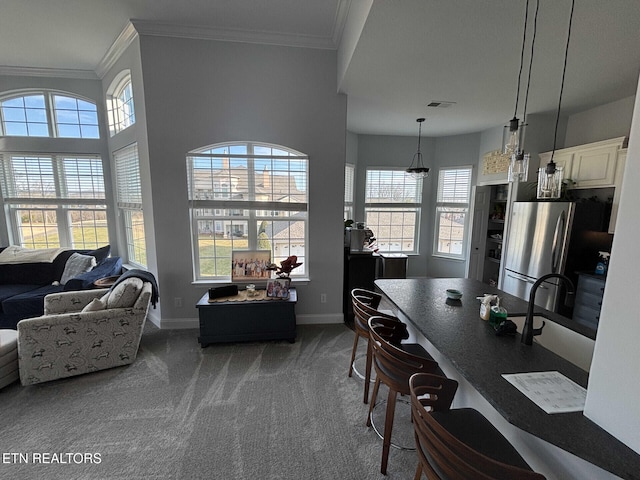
<point x="250" y="265"/>
<point x="278" y="288"/>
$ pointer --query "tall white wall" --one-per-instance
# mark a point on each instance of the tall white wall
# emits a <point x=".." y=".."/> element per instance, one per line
<point x="606" y="121"/>
<point x="136" y="133"/>
<point x="200" y="92"/>
<point x="614" y="379"/>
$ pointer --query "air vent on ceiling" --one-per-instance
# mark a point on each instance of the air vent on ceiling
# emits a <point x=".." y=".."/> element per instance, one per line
<point x="440" y="104"/>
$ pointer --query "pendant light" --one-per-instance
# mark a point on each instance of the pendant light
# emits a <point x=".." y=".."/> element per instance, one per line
<point x="550" y="177"/>
<point x="417" y="168"/>
<point x="519" y="162"/>
<point x="513" y="133"/>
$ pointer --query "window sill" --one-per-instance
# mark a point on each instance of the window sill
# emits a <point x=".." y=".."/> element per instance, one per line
<point x="448" y="257"/>
<point x="258" y="284"/>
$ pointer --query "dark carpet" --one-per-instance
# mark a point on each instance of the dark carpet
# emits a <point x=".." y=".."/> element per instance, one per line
<point x="271" y="410"/>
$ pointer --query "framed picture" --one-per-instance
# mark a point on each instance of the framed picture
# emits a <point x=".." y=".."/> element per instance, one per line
<point x="250" y="265"/>
<point x="278" y="288"/>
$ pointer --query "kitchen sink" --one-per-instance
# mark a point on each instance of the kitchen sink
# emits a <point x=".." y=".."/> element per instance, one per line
<point x="570" y="345"/>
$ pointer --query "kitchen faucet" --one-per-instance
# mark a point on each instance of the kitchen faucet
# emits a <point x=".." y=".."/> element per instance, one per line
<point x="528" y="332"/>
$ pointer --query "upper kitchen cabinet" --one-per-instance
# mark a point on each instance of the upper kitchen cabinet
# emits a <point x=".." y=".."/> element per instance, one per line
<point x="590" y="166"/>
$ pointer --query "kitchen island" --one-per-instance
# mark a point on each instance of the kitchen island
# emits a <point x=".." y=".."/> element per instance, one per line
<point x="469" y="351"/>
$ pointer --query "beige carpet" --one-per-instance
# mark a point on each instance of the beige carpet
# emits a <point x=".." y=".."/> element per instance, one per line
<point x="271" y="410"/>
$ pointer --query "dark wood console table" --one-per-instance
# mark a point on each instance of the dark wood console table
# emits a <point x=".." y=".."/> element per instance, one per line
<point x="249" y="320"/>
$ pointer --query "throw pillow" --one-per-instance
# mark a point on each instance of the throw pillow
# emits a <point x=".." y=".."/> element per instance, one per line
<point x="95" y="305"/>
<point x="124" y="294"/>
<point x="77" y="264"/>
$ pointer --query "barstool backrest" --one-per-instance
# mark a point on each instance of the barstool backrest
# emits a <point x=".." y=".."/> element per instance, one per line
<point x="393" y="365"/>
<point x="363" y="310"/>
<point x="441" y="454"/>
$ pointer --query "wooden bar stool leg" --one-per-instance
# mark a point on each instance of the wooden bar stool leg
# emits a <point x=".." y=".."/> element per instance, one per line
<point x="353" y="353"/>
<point x="372" y="404"/>
<point x="367" y="375"/>
<point x="388" y="427"/>
<point x="418" y="472"/>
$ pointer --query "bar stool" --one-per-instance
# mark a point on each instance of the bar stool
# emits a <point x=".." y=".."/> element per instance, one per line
<point x="458" y="444"/>
<point x="364" y="307"/>
<point x="365" y="304"/>
<point x="393" y="367"/>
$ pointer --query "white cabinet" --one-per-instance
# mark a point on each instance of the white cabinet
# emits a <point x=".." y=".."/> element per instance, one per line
<point x="590" y="166"/>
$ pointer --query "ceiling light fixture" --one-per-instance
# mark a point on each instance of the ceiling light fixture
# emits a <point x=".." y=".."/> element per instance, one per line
<point x="519" y="163"/>
<point x="419" y="170"/>
<point x="513" y="133"/>
<point x="550" y="177"/>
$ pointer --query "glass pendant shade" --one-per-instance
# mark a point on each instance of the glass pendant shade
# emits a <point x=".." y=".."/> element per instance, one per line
<point x="519" y="167"/>
<point x="550" y="182"/>
<point x="513" y="136"/>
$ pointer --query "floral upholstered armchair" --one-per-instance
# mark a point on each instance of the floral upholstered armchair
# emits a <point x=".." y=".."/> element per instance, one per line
<point x="83" y="331"/>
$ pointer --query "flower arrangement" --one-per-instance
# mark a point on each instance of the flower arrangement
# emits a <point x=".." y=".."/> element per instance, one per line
<point x="284" y="270"/>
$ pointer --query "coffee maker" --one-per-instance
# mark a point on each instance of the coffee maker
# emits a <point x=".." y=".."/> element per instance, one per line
<point x="359" y="240"/>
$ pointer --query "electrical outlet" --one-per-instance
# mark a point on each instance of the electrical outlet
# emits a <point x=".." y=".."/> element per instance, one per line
<point x="323" y="298"/>
<point x="177" y="302"/>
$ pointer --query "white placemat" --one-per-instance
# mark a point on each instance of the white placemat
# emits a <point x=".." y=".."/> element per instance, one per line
<point x="551" y="391"/>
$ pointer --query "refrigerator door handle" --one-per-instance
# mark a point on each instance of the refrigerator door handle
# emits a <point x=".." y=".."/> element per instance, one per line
<point x="560" y="225"/>
<point x="522" y="279"/>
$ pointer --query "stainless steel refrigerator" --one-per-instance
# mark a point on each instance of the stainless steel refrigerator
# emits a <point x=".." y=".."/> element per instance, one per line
<point x="553" y="237"/>
<point x="537" y="244"/>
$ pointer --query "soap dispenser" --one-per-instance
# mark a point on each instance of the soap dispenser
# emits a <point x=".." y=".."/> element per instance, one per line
<point x="498" y="314"/>
<point x="603" y="263"/>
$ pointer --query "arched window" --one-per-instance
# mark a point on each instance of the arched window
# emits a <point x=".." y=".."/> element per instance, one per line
<point x="120" y="108"/>
<point x="48" y="114"/>
<point x="246" y="196"/>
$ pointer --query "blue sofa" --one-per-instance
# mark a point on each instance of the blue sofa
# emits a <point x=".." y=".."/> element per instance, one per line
<point x="24" y="286"/>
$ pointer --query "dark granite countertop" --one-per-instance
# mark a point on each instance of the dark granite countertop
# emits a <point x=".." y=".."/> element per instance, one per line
<point x="481" y="357"/>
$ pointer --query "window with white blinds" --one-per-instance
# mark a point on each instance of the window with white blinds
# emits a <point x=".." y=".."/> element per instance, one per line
<point x="452" y="211"/>
<point x="55" y="200"/>
<point x="392" y="209"/>
<point x="129" y="200"/>
<point x="247" y="196"/>
<point x="349" y="185"/>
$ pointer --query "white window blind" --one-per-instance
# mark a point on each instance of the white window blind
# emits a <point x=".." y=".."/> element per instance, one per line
<point x="454" y="185"/>
<point x="55" y="200"/>
<point x="349" y="182"/>
<point x="452" y="208"/>
<point x="129" y="189"/>
<point x="393" y="209"/>
<point x="129" y="200"/>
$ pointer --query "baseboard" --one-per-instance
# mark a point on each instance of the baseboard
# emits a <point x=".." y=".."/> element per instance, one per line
<point x="183" y="323"/>
<point x="178" y="323"/>
<point x="315" y="319"/>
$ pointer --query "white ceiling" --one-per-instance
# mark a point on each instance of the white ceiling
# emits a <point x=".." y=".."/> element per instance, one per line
<point x="410" y="52"/>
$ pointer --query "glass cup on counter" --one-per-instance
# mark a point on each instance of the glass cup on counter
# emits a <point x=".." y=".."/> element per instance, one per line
<point x="251" y="290"/>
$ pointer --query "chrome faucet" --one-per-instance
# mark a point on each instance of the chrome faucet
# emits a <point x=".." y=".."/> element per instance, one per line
<point x="528" y="332"/>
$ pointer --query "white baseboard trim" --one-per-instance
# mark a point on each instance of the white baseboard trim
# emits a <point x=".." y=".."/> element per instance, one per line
<point x="315" y="319"/>
<point x="183" y="323"/>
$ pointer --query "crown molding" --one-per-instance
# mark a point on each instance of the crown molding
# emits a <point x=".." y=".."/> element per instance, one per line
<point x="340" y="22"/>
<point x="48" y="72"/>
<point x="126" y="37"/>
<point x="232" y="35"/>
